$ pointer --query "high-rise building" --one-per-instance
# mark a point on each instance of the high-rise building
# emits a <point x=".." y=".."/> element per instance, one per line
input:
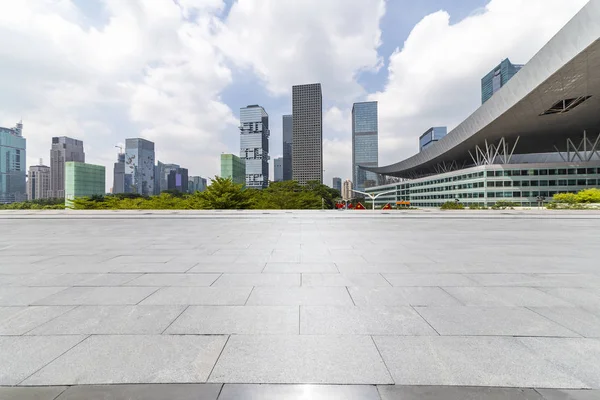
<point x="278" y="169"/>
<point x="365" y="151"/>
<point x="347" y="192"/>
<point x="13" y="170"/>
<point x="119" y="175"/>
<point x="161" y="176"/>
<point x="139" y="166"/>
<point x="196" y="184"/>
<point x="337" y="184"/>
<point x="64" y="149"/>
<point x="83" y="180"/>
<point x="431" y="136"/>
<point x="178" y="180"/>
<point x="287" y="147"/>
<point x="38" y="184"/>
<point x="307" y="132"/>
<point x="497" y="78"/>
<point x="254" y="145"/>
<point x="234" y="168"/>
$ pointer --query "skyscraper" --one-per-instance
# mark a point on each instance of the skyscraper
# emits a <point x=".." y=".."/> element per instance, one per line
<point x="178" y="180"/>
<point x="234" y="168"/>
<point x="161" y="176"/>
<point x="254" y="145"/>
<point x="365" y="150"/>
<point x="119" y="175"/>
<point x="431" y="136"/>
<point x="12" y="164"/>
<point x="139" y="166"/>
<point x="196" y="184"/>
<point x="347" y="192"/>
<point x="497" y="78"/>
<point x="337" y="184"/>
<point x="38" y="184"/>
<point x="307" y="132"/>
<point x="287" y="147"/>
<point x="83" y="180"/>
<point x="278" y="169"/>
<point x="64" y="149"/>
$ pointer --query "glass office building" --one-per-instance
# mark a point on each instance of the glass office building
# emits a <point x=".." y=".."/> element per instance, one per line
<point x="287" y="147"/>
<point x="337" y="184"/>
<point x="254" y="145"/>
<point x="83" y="180"/>
<point x="431" y="136"/>
<point x="63" y="150"/>
<point x="139" y="166"/>
<point x="178" y="180"/>
<point x="365" y="151"/>
<point x="196" y="184"/>
<point x="234" y="168"/>
<point x="497" y="78"/>
<point x="278" y="169"/>
<point x="307" y="133"/>
<point x="12" y="165"/>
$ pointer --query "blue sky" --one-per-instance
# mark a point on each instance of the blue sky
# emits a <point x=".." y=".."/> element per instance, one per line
<point x="177" y="72"/>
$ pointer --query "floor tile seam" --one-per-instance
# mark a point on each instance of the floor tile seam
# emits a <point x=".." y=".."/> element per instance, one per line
<point x="217" y="361"/>
<point x="215" y="281"/>
<point x="72" y="308"/>
<point x="249" y="294"/>
<point x="386" y="279"/>
<point x="55" y="358"/>
<point x="424" y="319"/>
<point x="175" y="319"/>
<point x="61" y="392"/>
<point x="153" y="292"/>
<point x="442" y="288"/>
<point x="349" y="294"/>
<point x="382" y="360"/>
<point x="531" y="308"/>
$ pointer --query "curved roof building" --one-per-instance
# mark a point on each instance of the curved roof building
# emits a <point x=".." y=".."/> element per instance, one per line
<point x="544" y="108"/>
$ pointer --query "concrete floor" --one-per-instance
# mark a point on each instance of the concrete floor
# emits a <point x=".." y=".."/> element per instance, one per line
<point x="485" y="299"/>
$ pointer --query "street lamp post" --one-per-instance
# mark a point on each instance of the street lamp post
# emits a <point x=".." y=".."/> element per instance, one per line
<point x="373" y="197"/>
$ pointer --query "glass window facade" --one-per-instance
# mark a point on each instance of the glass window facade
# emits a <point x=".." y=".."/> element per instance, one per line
<point x="497" y="78"/>
<point x="431" y="136"/>
<point x="287" y="147"/>
<point x="83" y="180"/>
<point x="139" y="166"/>
<point x="234" y="168"/>
<point x="365" y="144"/>
<point x="12" y="165"/>
<point x="254" y="145"/>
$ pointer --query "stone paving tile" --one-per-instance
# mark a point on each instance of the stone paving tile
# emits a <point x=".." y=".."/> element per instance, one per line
<point x="576" y="319"/>
<point x="202" y="391"/>
<point x="111" y="320"/>
<point x="298" y="392"/>
<point x="363" y="280"/>
<point x="148" y="268"/>
<point x="293" y="268"/>
<point x="224" y="268"/>
<point x="315" y="320"/>
<point x="175" y="280"/>
<point x="80" y="268"/>
<point x="76" y="296"/>
<point x="515" y="280"/>
<point x="394" y="296"/>
<point x="470" y="361"/>
<point x="576" y="296"/>
<point x="279" y="280"/>
<point x="492" y="321"/>
<point x="292" y="296"/>
<point x="222" y="296"/>
<point x="429" y="280"/>
<point x="21" y="356"/>
<point x="399" y="392"/>
<point x="551" y="394"/>
<point x="31" y="393"/>
<point x="111" y="279"/>
<point x="300" y="359"/>
<point x="240" y="320"/>
<point x="504" y="296"/>
<point x="372" y="268"/>
<point x="47" y="279"/>
<point x="20" y="320"/>
<point x="578" y="357"/>
<point x="24" y="296"/>
<point x="120" y="260"/>
<point x="133" y="359"/>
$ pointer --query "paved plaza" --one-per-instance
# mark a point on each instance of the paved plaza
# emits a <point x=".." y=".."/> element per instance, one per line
<point x="361" y="304"/>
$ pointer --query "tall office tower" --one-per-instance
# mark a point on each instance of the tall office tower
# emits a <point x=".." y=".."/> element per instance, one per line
<point x="139" y="166"/>
<point x="119" y="183"/>
<point x="307" y="132"/>
<point x="83" y="180"/>
<point x="287" y="147"/>
<point x="347" y="193"/>
<point x="254" y="145"/>
<point x="278" y="169"/>
<point x="431" y="136"/>
<point x="365" y="150"/>
<point x="64" y="149"/>
<point x="38" y="184"/>
<point x="337" y="184"/>
<point x="161" y="176"/>
<point x="196" y="184"/>
<point x="234" y="168"/>
<point x="178" y="180"/>
<point x="497" y="78"/>
<point x="12" y="164"/>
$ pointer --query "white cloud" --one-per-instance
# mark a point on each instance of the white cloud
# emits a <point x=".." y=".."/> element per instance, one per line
<point x="435" y="78"/>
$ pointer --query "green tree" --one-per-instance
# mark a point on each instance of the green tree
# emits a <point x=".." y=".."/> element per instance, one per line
<point x="223" y="194"/>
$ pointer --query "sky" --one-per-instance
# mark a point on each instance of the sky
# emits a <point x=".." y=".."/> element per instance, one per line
<point x="177" y="71"/>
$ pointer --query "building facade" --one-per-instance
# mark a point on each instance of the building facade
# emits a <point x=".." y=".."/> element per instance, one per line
<point x="139" y="166"/>
<point x="337" y="184"/>
<point x="12" y="164"/>
<point x="431" y="136"/>
<point x="234" y="168"/>
<point x="119" y="175"/>
<point x="196" y="184"/>
<point x="347" y="192"/>
<point x="278" y="169"/>
<point x="38" y="183"/>
<point x="365" y="147"/>
<point x="178" y="180"/>
<point x="497" y="78"/>
<point x="64" y="149"/>
<point x="161" y="176"/>
<point x="83" y="180"/>
<point x="288" y="139"/>
<point x="254" y="145"/>
<point x="307" y="133"/>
